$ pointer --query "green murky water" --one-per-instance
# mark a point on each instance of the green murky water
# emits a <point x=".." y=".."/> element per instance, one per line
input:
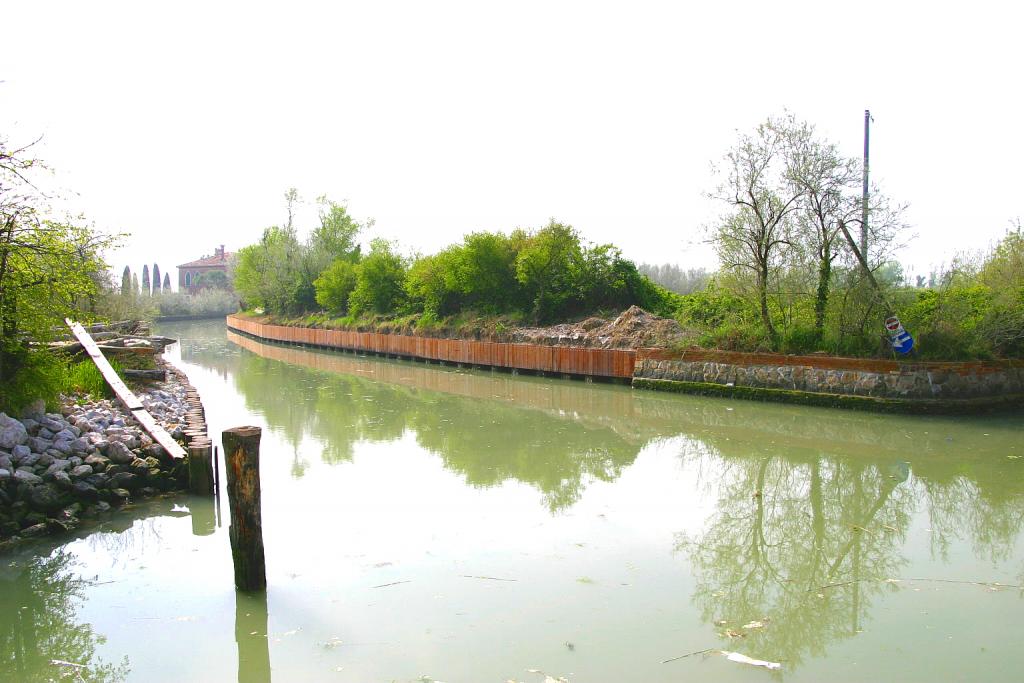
<point x="429" y="523"/>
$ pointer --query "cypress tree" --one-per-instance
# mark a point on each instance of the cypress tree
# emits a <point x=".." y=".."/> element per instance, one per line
<point x="167" y="282"/>
<point x="126" y="281"/>
<point x="135" y="283"/>
<point x="145" y="280"/>
<point x="156" y="279"/>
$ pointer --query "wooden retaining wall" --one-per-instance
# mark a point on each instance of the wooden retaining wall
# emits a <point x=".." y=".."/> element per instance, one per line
<point x="611" y="363"/>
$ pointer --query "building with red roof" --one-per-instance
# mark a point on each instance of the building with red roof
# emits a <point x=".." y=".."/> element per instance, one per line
<point x="191" y="275"/>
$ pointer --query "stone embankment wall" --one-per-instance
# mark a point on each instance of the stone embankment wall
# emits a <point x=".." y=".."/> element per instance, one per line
<point x="831" y="375"/>
<point x="58" y="469"/>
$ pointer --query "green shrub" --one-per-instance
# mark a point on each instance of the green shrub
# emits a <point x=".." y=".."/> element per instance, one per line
<point x="800" y="339"/>
<point x="39" y="375"/>
<point x="205" y="302"/>
<point x="335" y="285"/>
<point x="949" y="323"/>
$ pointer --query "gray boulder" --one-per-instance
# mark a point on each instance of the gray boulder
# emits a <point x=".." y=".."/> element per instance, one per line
<point x="6" y="462"/>
<point x="85" y="491"/>
<point x="81" y="471"/>
<point x="5" y="475"/>
<point x="12" y="432"/>
<point x="65" y="435"/>
<point x="62" y="445"/>
<point x="25" y="475"/>
<point x="52" y="422"/>
<point x="62" y="480"/>
<point x="39" y="444"/>
<point x="45" y="497"/>
<point x="58" y="466"/>
<point x="20" y="451"/>
<point x="45" y="460"/>
<point x="97" y="462"/>
<point x="124" y="480"/>
<point x="29" y="460"/>
<point x="98" y="480"/>
<point x="119" y="453"/>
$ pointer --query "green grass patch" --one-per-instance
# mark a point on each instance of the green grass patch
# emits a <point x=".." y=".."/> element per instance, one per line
<point x="84" y="377"/>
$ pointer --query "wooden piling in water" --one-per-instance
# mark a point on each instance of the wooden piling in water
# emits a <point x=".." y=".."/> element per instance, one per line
<point x="242" y="463"/>
<point x="200" y="467"/>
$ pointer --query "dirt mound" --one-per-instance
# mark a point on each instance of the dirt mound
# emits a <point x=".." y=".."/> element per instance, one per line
<point x="634" y="328"/>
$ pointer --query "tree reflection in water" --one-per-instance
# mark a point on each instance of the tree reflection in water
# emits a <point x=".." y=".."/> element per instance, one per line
<point x="487" y="441"/>
<point x="41" y="597"/>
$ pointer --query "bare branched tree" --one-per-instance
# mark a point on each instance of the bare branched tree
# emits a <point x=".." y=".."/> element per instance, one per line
<point x="762" y="201"/>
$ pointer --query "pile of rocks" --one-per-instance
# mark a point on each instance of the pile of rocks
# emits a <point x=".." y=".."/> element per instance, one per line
<point x="56" y="468"/>
<point x="635" y="328"/>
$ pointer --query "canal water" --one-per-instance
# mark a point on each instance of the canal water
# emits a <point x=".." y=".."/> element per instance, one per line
<point x="428" y="523"/>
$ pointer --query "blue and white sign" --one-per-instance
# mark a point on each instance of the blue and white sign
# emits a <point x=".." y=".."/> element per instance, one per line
<point x="900" y="339"/>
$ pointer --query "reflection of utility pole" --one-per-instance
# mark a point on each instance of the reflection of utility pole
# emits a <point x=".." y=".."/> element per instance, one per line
<point x="864" y="196"/>
<point x="857" y="534"/>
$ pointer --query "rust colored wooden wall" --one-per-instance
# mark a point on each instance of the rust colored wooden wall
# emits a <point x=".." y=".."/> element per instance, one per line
<point x="555" y="359"/>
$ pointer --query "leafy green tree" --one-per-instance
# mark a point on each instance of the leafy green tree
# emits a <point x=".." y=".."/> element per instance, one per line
<point x="47" y="268"/>
<point x="761" y="200"/>
<point x="829" y="183"/>
<point x="380" y="281"/>
<point x="545" y="268"/>
<point x="432" y="283"/>
<point x="336" y="238"/>
<point x="335" y="285"/>
<point x="487" y="272"/>
<point x="1003" y="274"/>
<point x="268" y="274"/>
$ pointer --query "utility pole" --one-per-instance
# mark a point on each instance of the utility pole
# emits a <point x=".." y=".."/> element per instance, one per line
<point x="864" y="199"/>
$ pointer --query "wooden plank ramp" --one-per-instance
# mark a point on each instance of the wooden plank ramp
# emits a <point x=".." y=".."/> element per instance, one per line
<point x="124" y="394"/>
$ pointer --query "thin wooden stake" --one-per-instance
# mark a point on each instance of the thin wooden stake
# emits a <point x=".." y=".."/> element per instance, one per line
<point x="242" y="464"/>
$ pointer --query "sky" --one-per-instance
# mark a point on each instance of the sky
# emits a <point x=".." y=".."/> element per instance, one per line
<point x="183" y="124"/>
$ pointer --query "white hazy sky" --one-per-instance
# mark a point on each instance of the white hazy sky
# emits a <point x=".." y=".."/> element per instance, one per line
<point x="183" y="124"/>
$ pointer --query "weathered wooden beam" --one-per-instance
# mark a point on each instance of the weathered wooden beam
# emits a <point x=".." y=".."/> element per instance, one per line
<point x="124" y="394"/>
<point x="159" y="434"/>
<point x="242" y="462"/>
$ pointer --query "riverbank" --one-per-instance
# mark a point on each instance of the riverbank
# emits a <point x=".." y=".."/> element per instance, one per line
<point x="866" y="384"/>
<point x="59" y="469"/>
